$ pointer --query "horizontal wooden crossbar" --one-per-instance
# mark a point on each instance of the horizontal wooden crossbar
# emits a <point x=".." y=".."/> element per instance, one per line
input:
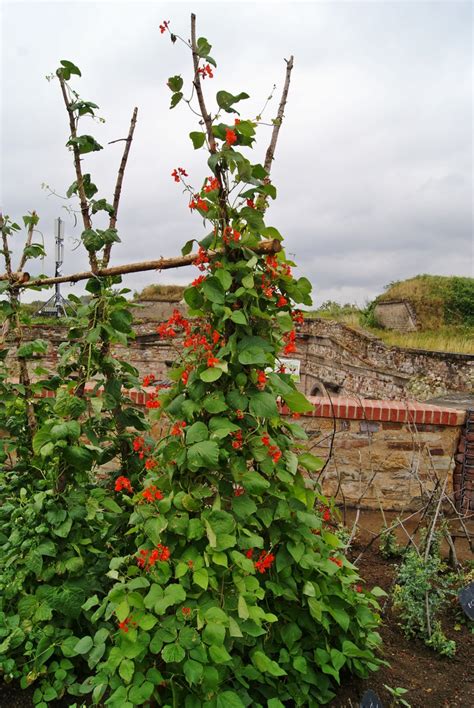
<point x="22" y="280"/>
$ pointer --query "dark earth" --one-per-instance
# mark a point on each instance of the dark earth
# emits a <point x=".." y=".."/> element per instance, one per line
<point x="431" y="681"/>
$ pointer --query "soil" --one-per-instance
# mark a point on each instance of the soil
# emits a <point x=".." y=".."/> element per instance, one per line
<point x="431" y="681"/>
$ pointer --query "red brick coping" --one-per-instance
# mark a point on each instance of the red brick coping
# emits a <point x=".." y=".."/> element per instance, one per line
<point x="350" y="409"/>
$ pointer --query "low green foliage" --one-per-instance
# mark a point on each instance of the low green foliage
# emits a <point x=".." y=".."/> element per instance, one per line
<point x="422" y="587"/>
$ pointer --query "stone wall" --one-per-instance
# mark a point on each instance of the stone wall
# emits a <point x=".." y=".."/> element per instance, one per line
<point x="334" y="358"/>
<point x="396" y="314"/>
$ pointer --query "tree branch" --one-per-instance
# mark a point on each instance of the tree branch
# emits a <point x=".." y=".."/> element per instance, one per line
<point x="77" y="164"/>
<point x="118" y="185"/>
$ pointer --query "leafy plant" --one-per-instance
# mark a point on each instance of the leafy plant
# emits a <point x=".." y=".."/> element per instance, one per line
<point x="388" y="545"/>
<point x="423" y="590"/>
<point x="397" y="694"/>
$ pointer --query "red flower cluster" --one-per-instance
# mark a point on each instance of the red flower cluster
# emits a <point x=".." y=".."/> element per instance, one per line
<point x="261" y="380"/>
<point x="178" y="173"/>
<point x="358" y="588"/>
<point x="198" y="203"/>
<point x="185" y="376"/>
<point x="273" y="450"/>
<point x="212" y="361"/>
<point x="152" y="402"/>
<point x="152" y="493"/>
<point x="206" y="71"/>
<point x="290" y="345"/>
<point x="123" y="483"/>
<point x="238" y="490"/>
<point x="237" y="442"/>
<point x="140" y="447"/>
<point x="150" y="464"/>
<point x="230" y="137"/>
<point x="239" y="414"/>
<point x="148" y="380"/>
<point x="326" y="513"/>
<point x="164" y="26"/>
<point x="230" y="233"/>
<point x="124" y="625"/>
<point x="147" y="559"/>
<point x="177" y="428"/>
<point x="167" y="329"/>
<point x="186" y="611"/>
<point x="197" y="281"/>
<point x="297" y="317"/>
<point x="282" y="369"/>
<point x="264" y="562"/>
<point x="251" y="203"/>
<point x="201" y="259"/>
<point x="337" y="561"/>
<point x="282" y="301"/>
<point x="212" y="183"/>
<point x="267" y="289"/>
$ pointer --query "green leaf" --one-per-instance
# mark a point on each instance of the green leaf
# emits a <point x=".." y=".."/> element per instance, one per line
<point x="310" y="462"/>
<point x="84" y="144"/>
<point x="213" y="373"/>
<point x="196" y="433"/>
<point x="188" y="247"/>
<point x="173" y="653"/>
<point x="79" y="457"/>
<point x="201" y="578"/>
<point x="266" y="665"/>
<point x="175" y="83"/>
<point x="213" y="290"/>
<point x="224" y="277"/>
<point x="252" y="355"/>
<point x="239" y="317"/>
<point x="229" y="699"/>
<point x="226" y="100"/>
<point x="121" y="320"/>
<point x="263" y="405"/>
<point x="214" y="634"/>
<point x="198" y="139"/>
<point x="68" y="68"/>
<point x="297" y="402"/>
<point x="126" y="670"/>
<point x="84" y="645"/>
<point x="203" y="454"/>
<point x="254" y="483"/>
<point x="219" y="655"/>
<point x="175" y="99"/>
<point x="193" y="671"/>
<point x="203" y="47"/>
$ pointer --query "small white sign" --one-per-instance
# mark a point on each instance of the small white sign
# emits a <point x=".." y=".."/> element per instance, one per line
<point x="293" y="367"/>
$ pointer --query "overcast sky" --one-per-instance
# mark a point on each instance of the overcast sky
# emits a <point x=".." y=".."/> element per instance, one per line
<point x="374" y="161"/>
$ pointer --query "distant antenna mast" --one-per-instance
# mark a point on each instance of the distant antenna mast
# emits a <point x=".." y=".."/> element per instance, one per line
<point x="56" y="305"/>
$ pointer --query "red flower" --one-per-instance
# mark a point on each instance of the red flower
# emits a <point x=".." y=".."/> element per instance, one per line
<point x="212" y="361"/>
<point x="124" y="625"/>
<point x="215" y="336"/>
<point x="197" y="281"/>
<point x="151" y="494"/>
<point x="239" y="414"/>
<point x="138" y="443"/>
<point x="250" y="203"/>
<point x="297" y="317"/>
<point x="185" y="377"/>
<point x="198" y="203"/>
<point x="337" y="561"/>
<point x="264" y="561"/>
<point x="238" y="490"/>
<point x="150" y="464"/>
<point x="152" y="403"/>
<point x="186" y="611"/>
<point x="282" y="301"/>
<point x="206" y="71"/>
<point x="261" y="380"/>
<point x="177" y="428"/>
<point x="237" y="121"/>
<point x="249" y="553"/>
<point x="190" y="564"/>
<point x="148" y="380"/>
<point x="177" y="174"/>
<point x="358" y="588"/>
<point x="164" y="26"/>
<point x="326" y="514"/>
<point x="123" y="483"/>
<point x="163" y="551"/>
<point x="265" y="440"/>
<point x="290" y="345"/>
<point x="201" y="259"/>
<point x="212" y="183"/>
<point x="230" y="137"/>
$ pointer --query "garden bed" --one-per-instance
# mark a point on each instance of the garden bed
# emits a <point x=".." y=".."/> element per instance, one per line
<point x="431" y="680"/>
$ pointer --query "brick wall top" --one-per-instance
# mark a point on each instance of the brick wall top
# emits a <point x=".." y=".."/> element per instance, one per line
<point x="351" y="409"/>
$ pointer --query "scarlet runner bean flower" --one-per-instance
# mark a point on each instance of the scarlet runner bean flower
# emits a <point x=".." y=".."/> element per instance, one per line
<point x="147" y="559"/>
<point x="138" y="443"/>
<point x="264" y="562"/>
<point x="202" y="259"/>
<point x="212" y="361"/>
<point x="185" y="377"/>
<point x="186" y="611"/>
<point x="230" y="137"/>
<point x="177" y="174"/>
<point x="164" y="26"/>
<point x="212" y="183"/>
<point x="177" y="428"/>
<point x="238" y="490"/>
<point x="297" y="317"/>
<point x="282" y="301"/>
<point x="337" y="561"/>
<point x="126" y="622"/>
<point x="249" y="553"/>
<point x="261" y="380"/>
<point x="150" y="464"/>
<point x="148" y="380"/>
<point x="237" y="442"/>
<point x="197" y="281"/>
<point x="123" y="483"/>
<point x="239" y="414"/>
<point x="206" y="71"/>
<point x="290" y="345"/>
<point x="152" y="493"/>
<point x="198" y="203"/>
<point x="250" y="203"/>
<point x="326" y="514"/>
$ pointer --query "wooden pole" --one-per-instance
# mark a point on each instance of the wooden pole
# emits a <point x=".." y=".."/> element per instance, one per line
<point x="21" y="280"/>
